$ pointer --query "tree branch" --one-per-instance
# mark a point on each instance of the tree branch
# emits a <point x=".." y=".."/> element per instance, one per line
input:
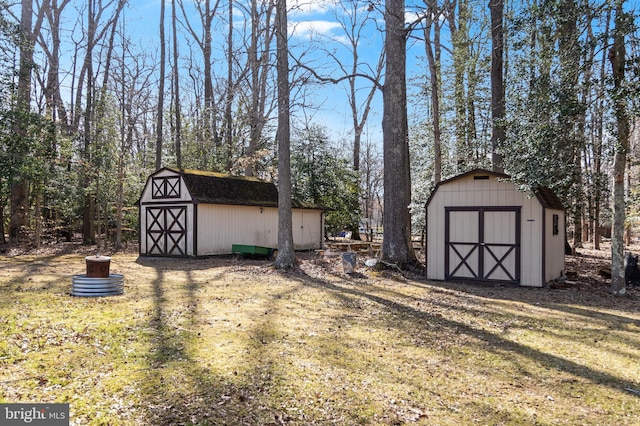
<point x="323" y="79"/>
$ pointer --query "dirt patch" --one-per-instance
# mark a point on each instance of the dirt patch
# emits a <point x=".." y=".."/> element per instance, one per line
<point x="589" y="270"/>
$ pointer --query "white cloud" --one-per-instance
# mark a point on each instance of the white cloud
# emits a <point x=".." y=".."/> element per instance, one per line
<point x="311" y="28"/>
<point x="310" y="7"/>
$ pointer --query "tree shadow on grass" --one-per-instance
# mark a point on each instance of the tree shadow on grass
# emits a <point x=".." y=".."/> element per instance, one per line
<point x="178" y="388"/>
<point x="405" y="316"/>
<point x="200" y="263"/>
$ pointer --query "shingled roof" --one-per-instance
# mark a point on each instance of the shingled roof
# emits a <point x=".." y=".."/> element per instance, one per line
<point x="548" y="198"/>
<point x="220" y="188"/>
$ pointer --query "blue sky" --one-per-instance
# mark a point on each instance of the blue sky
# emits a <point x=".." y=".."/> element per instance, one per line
<point x="313" y="26"/>
<point x="315" y="34"/>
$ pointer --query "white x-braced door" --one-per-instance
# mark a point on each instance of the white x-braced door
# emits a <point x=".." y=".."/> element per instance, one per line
<point x="482" y="243"/>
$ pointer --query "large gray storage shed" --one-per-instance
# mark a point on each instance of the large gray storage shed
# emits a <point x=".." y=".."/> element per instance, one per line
<point x="197" y="213"/>
<point x="481" y="227"/>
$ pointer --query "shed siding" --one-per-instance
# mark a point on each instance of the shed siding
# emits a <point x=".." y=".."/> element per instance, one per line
<point x="469" y="192"/>
<point x="307" y="229"/>
<point x="554" y="260"/>
<point x="531" y="269"/>
<point x="221" y="226"/>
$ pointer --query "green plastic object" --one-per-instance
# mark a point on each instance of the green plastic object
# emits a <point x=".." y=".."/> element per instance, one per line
<point x="247" y="250"/>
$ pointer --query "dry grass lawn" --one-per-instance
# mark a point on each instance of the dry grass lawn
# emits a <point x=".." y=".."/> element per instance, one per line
<point x="225" y="341"/>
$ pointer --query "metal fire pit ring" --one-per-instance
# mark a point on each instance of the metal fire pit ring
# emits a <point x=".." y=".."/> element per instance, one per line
<point x="84" y="286"/>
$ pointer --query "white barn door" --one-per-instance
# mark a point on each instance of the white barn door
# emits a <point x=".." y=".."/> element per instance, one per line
<point x="166" y="233"/>
<point x="482" y="243"/>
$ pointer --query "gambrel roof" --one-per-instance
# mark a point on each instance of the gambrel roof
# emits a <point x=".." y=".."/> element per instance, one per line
<point x="220" y="188"/>
<point x="544" y="195"/>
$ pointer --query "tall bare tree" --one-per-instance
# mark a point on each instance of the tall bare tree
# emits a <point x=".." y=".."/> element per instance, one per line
<point x="203" y="37"/>
<point x="286" y="258"/>
<point x="617" y="57"/>
<point x="19" y="185"/>
<point x="354" y="21"/>
<point x="176" y="87"/>
<point x="464" y="102"/>
<point x="88" y="216"/>
<point x="51" y="91"/>
<point x="161" y="77"/>
<point x="498" y="136"/>
<point x="228" y="110"/>
<point x="432" y="48"/>
<point x="396" y="248"/>
<point x="599" y="181"/>
<point x="258" y="71"/>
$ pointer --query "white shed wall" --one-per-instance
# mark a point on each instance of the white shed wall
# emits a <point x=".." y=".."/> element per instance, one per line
<point x="307" y="229"/>
<point x="531" y="242"/>
<point x="221" y="226"/>
<point x="468" y="192"/>
<point x="554" y="254"/>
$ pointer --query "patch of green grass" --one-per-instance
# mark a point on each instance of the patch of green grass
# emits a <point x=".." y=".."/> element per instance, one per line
<point x="214" y="341"/>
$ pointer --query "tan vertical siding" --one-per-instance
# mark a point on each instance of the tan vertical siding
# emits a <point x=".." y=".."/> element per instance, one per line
<point x="221" y="226"/>
<point x="554" y="255"/>
<point x="307" y="229"/>
<point x="531" y="242"/>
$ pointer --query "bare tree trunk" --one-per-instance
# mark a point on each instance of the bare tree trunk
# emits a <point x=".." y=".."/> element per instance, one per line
<point x="160" y="112"/>
<point x="459" y="36"/>
<point x="98" y="212"/>
<point x="599" y="139"/>
<point x="433" y="14"/>
<point x="210" y="124"/>
<point x="176" y="88"/>
<point x="51" y="90"/>
<point x="617" y="59"/>
<point x="88" y="215"/>
<point x="497" y="86"/>
<point x="286" y="258"/>
<point x="258" y="69"/>
<point x="37" y="239"/>
<point x="229" y="100"/>
<point x="121" y="157"/>
<point x="396" y="248"/>
<point x="19" y="221"/>
<point x="254" y="67"/>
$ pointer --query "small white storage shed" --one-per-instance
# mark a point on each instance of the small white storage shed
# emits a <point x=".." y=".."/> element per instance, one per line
<point x="197" y="213"/>
<point x="481" y="227"/>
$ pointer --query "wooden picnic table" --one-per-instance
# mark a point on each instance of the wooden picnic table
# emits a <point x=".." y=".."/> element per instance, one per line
<point x="356" y="246"/>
